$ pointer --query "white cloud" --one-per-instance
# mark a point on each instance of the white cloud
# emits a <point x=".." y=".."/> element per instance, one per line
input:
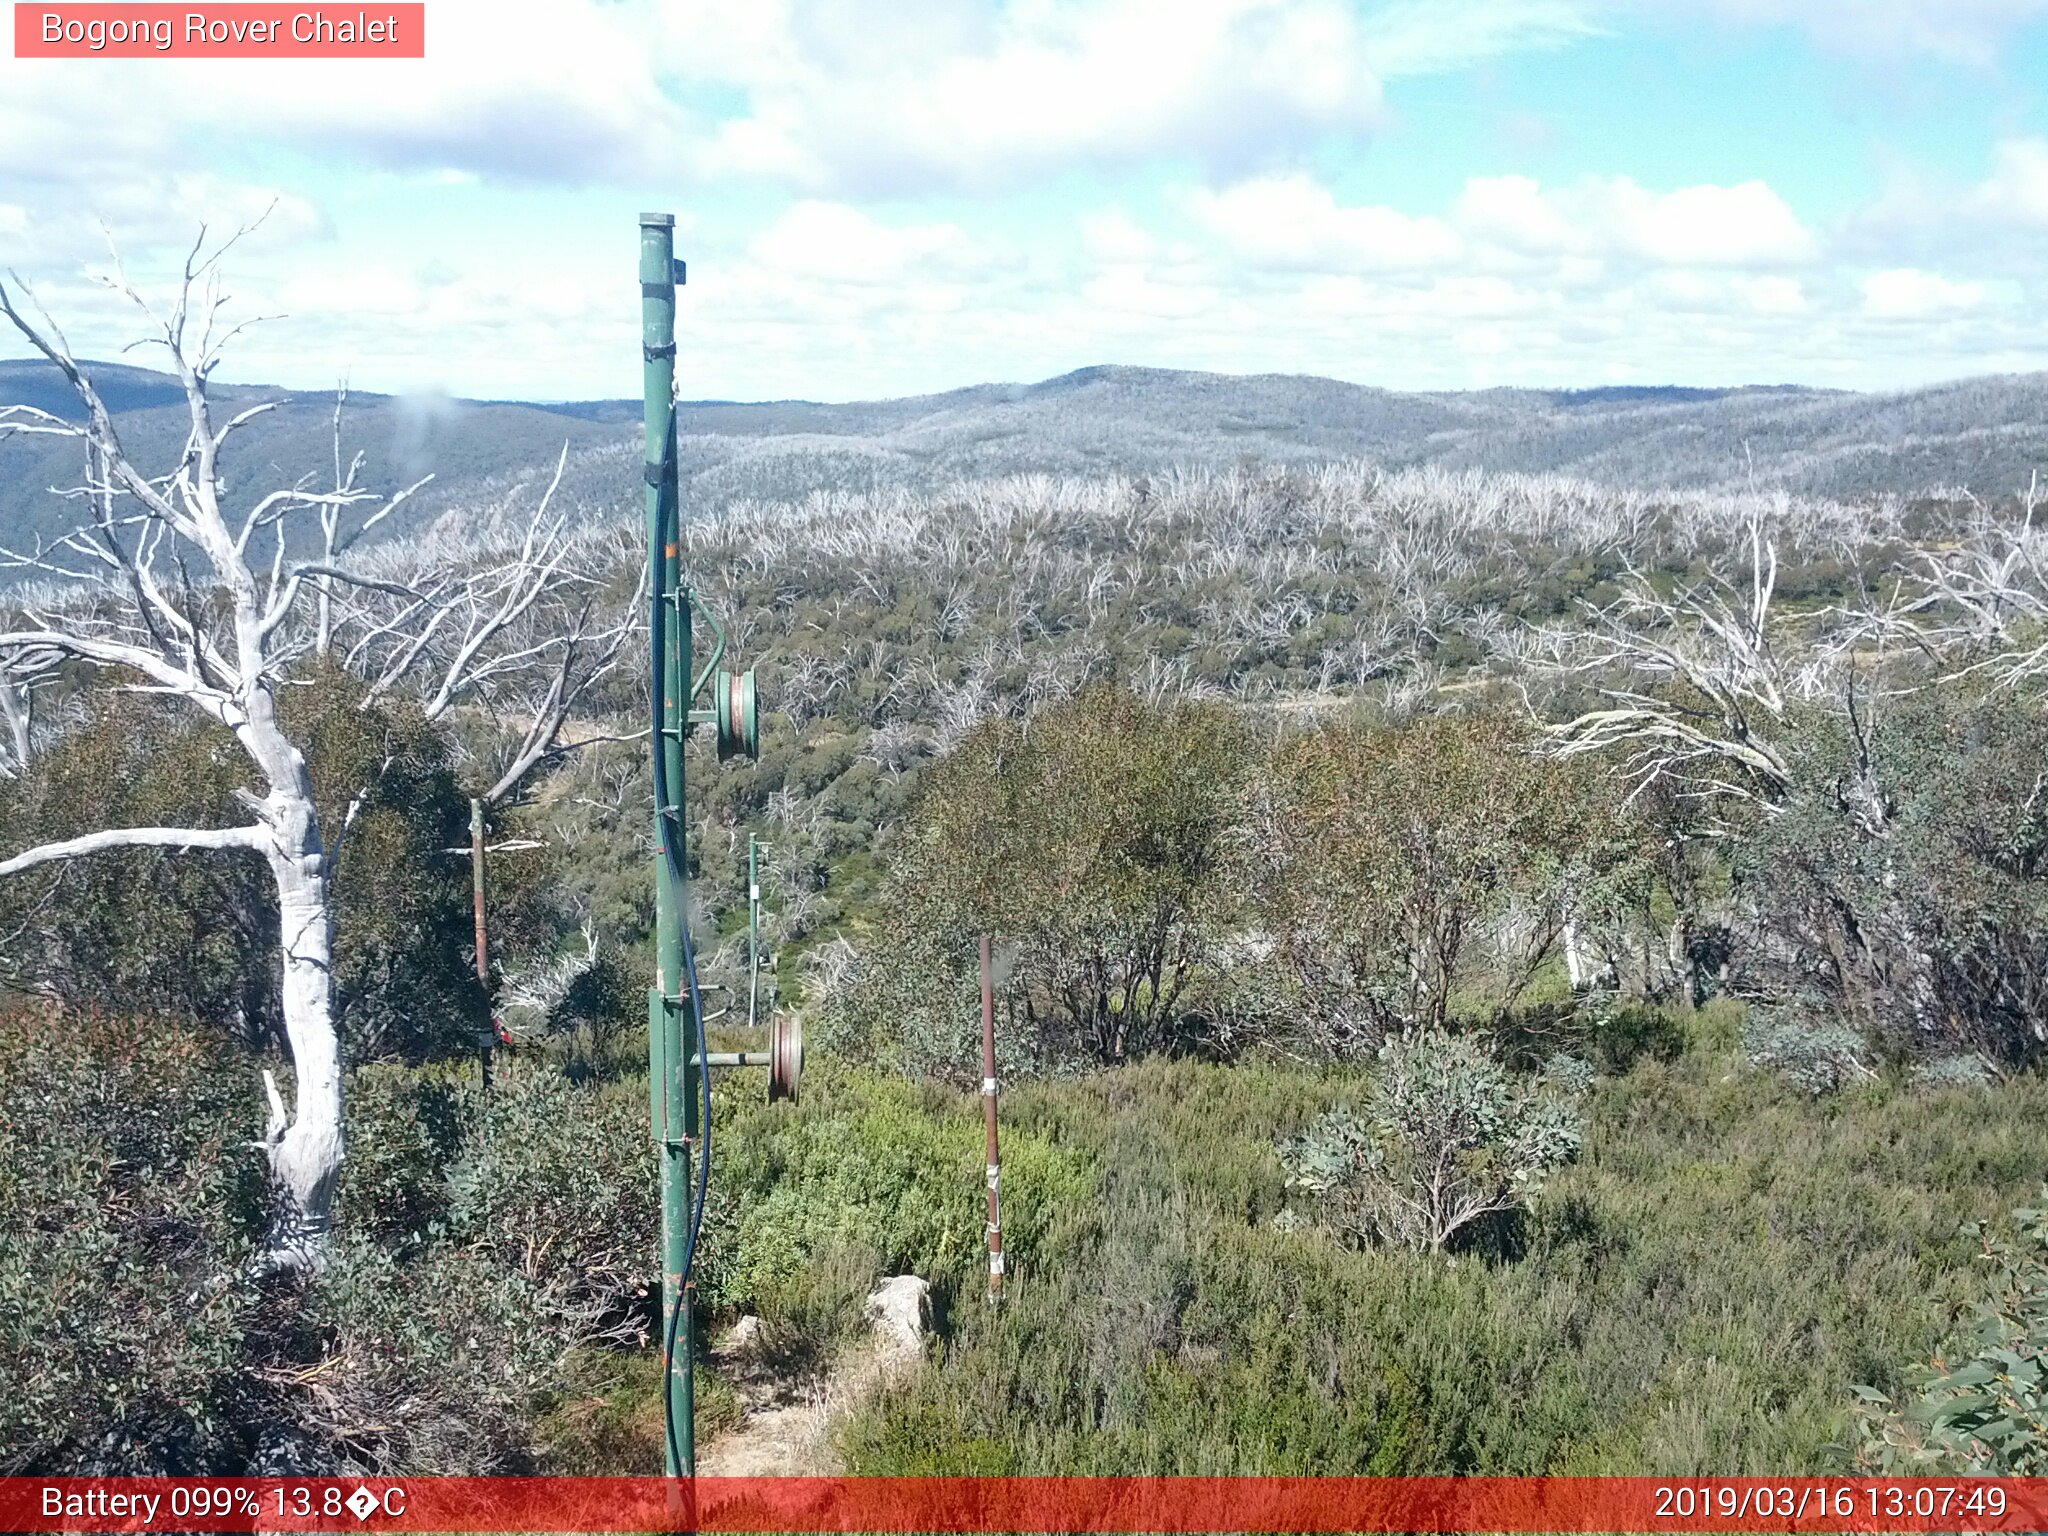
<point x="1774" y="295"/>
<point x="839" y="98"/>
<point x="1708" y="291"/>
<point x="1906" y="293"/>
<point x="411" y="265"/>
<point x="1295" y="222"/>
<point x="378" y="293"/>
<point x="1925" y="219"/>
<point x="824" y="96"/>
<point x="1743" y="225"/>
<point x="836" y="243"/>
<point x="2016" y="191"/>
<point x="1748" y="224"/>
<point x="1414" y="37"/>
<point x="1113" y="235"/>
<point x="1514" y="211"/>
<point x="532" y="90"/>
<point x="962" y="93"/>
<point x="905" y="98"/>
<point x="1686" y="290"/>
<point x="1483" y="341"/>
<point x="1127" y="292"/>
<point x="831" y="302"/>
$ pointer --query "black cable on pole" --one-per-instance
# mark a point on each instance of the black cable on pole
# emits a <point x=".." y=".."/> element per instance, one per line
<point x="667" y="812"/>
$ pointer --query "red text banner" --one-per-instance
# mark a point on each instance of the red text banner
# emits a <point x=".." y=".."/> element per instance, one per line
<point x="961" y="1504"/>
<point x="236" y="30"/>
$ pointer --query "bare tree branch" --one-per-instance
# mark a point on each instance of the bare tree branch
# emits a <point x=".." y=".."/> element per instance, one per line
<point x="1720" y="690"/>
<point x="253" y="838"/>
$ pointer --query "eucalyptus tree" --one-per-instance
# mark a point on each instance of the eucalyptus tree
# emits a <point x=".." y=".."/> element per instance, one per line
<point x="1879" y="797"/>
<point x="185" y="583"/>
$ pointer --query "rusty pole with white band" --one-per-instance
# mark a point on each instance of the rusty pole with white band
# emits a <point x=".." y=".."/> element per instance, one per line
<point x="988" y="1102"/>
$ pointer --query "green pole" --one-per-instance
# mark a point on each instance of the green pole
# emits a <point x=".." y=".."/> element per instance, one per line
<point x="672" y="1084"/>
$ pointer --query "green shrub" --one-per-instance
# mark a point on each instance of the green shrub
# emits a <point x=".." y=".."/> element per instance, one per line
<point x="486" y="1242"/>
<point x="1980" y="1407"/>
<point x="1389" y="861"/>
<point x="1818" y="1056"/>
<point x="1625" y="1032"/>
<point x="128" y="1203"/>
<point x="1091" y="840"/>
<point x="435" y="1365"/>
<point x="1569" y="1074"/>
<point x="1940" y="1072"/>
<point x="605" y="1419"/>
<point x="554" y="1183"/>
<point x="406" y="1128"/>
<point x="502" y="1235"/>
<point x="885" y="1168"/>
<point x="806" y="1315"/>
<point x="583" y="1004"/>
<point x="1694" y="1294"/>
<point x="197" y="932"/>
<point x="1902" y="892"/>
<point x="922" y="1439"/>
<point x="1448" y="1138"/>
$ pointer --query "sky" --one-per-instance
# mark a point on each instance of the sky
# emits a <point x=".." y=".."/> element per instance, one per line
<point x="907" y="196"/>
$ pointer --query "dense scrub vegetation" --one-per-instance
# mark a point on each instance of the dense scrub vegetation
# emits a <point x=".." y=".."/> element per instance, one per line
<point x="1592" y="860"/>
<point x="1701" y="1290"/>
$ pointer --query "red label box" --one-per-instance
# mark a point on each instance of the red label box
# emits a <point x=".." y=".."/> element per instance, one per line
<point x="237" y="30"/>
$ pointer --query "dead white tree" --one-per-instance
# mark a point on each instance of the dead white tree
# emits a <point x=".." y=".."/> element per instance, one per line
<point x="24" y="673"/>
<point x="517" y="633"/>
<point x="1699" y="694"/>
<point x="1978" y="605"/>
<point x="15" y="715"/>
<point x="191" y="592"/>
<point x="338" y="533"/>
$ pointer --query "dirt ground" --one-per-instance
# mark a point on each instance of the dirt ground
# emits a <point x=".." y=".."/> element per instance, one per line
<point x="788" y="1429"/>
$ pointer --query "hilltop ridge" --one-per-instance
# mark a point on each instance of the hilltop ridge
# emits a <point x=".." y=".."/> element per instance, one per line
<point x="1986" y="434"/>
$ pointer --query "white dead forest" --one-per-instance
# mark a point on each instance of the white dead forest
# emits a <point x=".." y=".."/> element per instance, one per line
<point x="1426" y="892"/>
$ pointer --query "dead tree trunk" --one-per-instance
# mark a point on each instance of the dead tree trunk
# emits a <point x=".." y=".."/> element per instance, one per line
<point x="179" y="600"/>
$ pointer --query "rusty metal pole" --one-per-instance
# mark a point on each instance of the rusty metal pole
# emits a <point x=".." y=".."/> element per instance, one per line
<point x="988" y="1103"/>
<point x="483" y="938"/>
<point x="476" y="888"/>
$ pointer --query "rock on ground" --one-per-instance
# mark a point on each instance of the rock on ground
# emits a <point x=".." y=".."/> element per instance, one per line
<point x="898" y="1309"/>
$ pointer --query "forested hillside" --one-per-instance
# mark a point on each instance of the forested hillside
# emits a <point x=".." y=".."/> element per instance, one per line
<point x="1983" y="435"/>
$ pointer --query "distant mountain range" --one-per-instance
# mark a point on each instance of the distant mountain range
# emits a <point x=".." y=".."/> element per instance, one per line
<point x="1987" y="434"/>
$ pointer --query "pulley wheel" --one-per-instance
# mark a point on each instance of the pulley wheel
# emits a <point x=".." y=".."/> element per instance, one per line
<point x="739" y="720"/>
<point x="785" y="1058"/>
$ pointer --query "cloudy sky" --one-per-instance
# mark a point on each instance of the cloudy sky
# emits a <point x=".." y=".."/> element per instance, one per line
<point x="903" y="196"/>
